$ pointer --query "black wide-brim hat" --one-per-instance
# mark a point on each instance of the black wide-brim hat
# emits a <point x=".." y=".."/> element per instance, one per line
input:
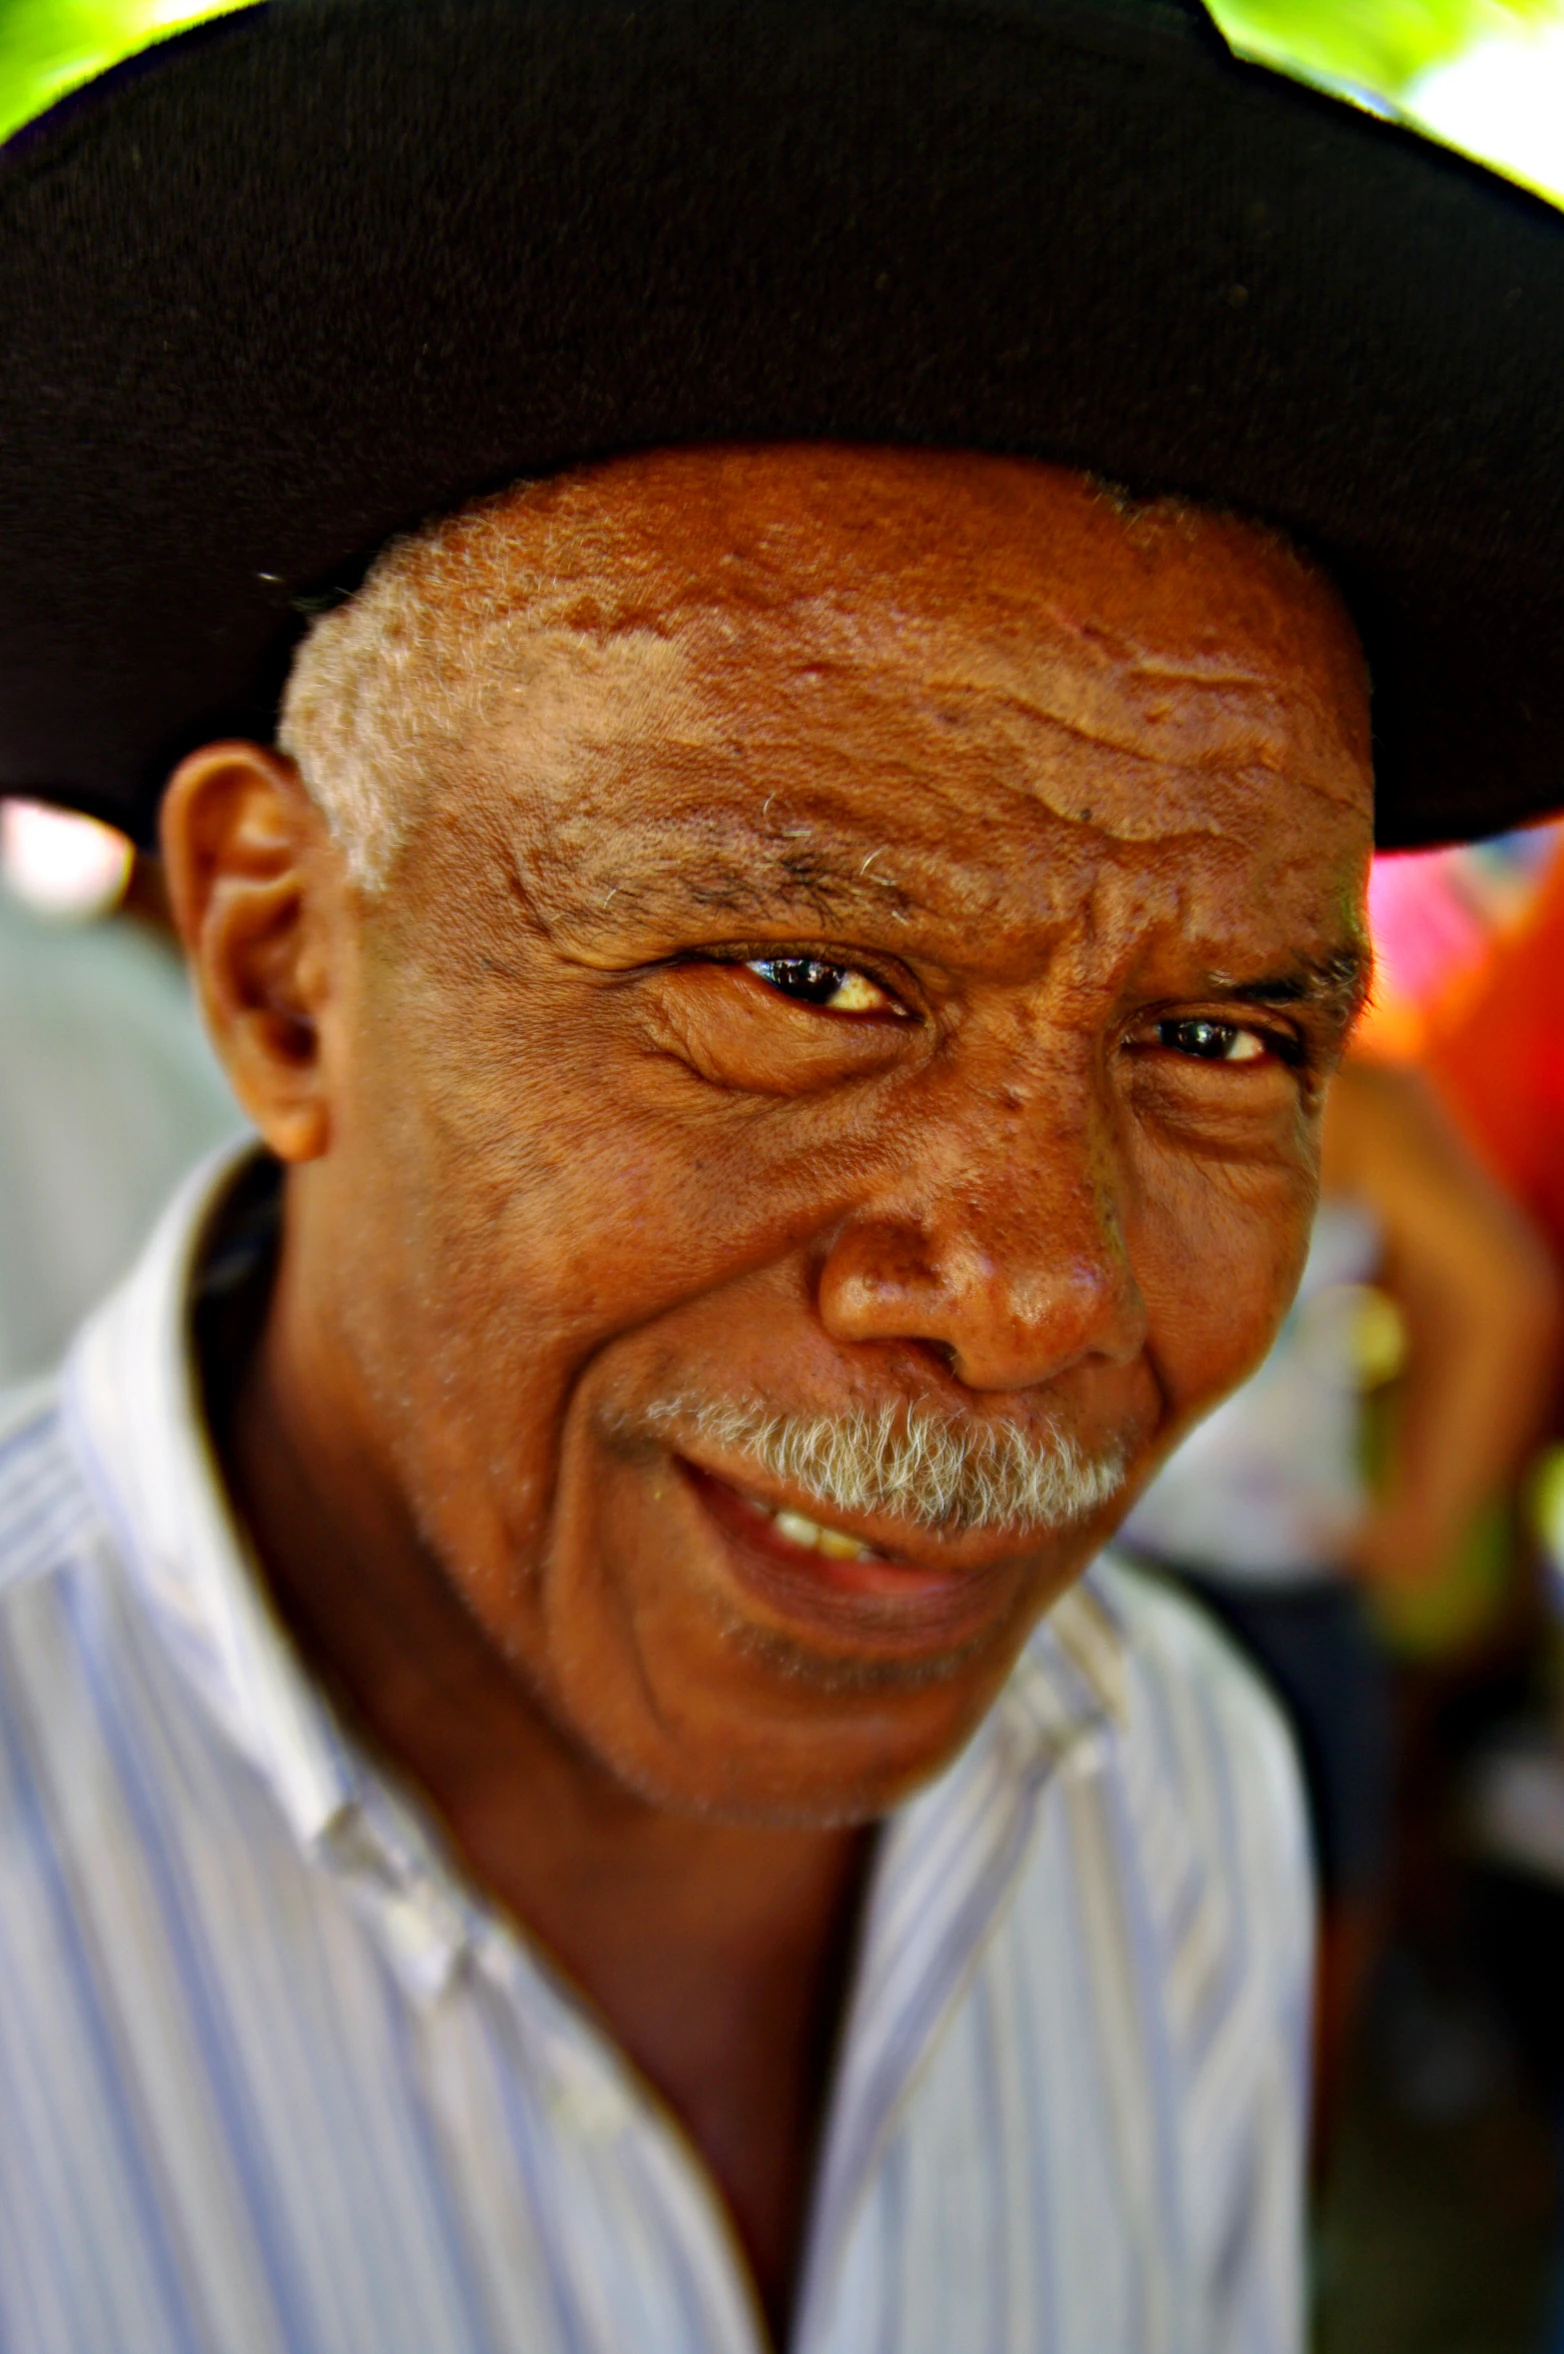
<point x="295" y="281"/>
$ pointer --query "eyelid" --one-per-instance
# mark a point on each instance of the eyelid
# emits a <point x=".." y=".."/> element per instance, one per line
<point x="898" y="984"/>
<point x="1290" y="1046"/>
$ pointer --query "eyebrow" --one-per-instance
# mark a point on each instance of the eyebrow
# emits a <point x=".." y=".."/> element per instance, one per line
<point x="801" y="875"/>
<point x="1337" y="983"/>
<point x="789" y="875"/>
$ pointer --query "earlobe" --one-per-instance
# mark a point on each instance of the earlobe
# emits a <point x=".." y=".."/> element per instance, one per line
<point x="250" y="871"/>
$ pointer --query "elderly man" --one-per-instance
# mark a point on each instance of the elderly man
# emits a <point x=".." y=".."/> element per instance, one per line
<point x="561" y="1783"/>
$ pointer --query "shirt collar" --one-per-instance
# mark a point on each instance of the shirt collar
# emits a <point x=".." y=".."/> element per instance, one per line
<point x="1072" y="1678"/>
<point x="133" y="1402"/>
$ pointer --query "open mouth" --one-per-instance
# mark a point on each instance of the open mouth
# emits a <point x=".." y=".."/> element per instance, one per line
<point x="782" y="1528"/>
<point x="802" y="1568"/>
<point x="810" y="1536"/>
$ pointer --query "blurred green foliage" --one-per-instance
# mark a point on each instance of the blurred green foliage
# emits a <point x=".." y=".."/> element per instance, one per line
<point x="1380" y="46"/>
<point x="47" y="46"/>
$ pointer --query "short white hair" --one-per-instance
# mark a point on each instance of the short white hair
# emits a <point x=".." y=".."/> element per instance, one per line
<point x="387" y="681"/>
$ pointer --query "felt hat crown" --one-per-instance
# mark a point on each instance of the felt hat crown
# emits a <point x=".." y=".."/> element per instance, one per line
<point x="299" y="279"/>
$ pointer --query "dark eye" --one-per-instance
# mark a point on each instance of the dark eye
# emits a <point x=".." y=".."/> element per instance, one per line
<point x="835" y="988"/>
<point x="1212" y="1042"/>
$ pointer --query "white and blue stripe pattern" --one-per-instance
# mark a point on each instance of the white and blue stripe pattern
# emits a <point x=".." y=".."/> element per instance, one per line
<point x="273" y="2080"/>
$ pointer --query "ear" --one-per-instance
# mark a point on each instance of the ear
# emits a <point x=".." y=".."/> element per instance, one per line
<point x="259" y="893"/>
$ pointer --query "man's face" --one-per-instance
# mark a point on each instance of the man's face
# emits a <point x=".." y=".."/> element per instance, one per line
<point x="880" y="951"/>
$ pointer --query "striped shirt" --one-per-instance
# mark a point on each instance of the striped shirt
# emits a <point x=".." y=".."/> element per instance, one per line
<point x="274" y="2079"/>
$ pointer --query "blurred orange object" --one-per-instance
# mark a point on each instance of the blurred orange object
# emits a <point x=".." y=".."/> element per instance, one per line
<point x="1493" y="1046"/>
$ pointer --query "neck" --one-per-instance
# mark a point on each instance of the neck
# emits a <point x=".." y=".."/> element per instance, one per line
<point x="715" y="1954"/>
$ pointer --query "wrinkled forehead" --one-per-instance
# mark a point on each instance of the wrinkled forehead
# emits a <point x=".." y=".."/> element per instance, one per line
<point x="954" y="701"/>
<point x="969" y="680"/>
<point x="847" y="546"/>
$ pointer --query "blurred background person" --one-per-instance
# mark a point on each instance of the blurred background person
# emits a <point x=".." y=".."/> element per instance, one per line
<point x="1493" y="1046"/>
<point x="108" y="1089"/>
<point x="1422" y="1267"/>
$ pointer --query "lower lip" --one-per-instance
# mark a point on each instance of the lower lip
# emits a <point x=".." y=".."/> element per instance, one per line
<point x="897" y="1601"/>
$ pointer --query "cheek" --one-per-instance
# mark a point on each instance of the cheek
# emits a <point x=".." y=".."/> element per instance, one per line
<point x="1218" y="1254"/>
<point x="562" y="1198"/>
<point x="534" y="1208"/>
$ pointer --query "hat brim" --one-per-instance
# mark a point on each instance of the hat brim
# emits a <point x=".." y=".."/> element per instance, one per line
<point x="305" y="277"/>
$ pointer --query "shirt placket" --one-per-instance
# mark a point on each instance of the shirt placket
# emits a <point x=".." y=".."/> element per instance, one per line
<point x="940" y="1891"/>
<point x="566" y="2117"/>
<point x="680" y="2283"/>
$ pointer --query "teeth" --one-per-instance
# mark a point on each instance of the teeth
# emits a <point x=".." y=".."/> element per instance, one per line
<point x="837" y="1545"/>
<point x="834" y="1543"/>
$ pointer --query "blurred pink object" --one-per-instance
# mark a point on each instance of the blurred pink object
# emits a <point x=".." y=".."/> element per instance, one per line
<point x="1437" y="917"/>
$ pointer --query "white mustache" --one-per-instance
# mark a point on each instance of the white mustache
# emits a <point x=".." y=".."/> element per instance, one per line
<point x="940" y="1472"/>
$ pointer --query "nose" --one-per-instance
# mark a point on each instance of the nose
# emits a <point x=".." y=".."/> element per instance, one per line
<point x="1003" y="1251"/>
